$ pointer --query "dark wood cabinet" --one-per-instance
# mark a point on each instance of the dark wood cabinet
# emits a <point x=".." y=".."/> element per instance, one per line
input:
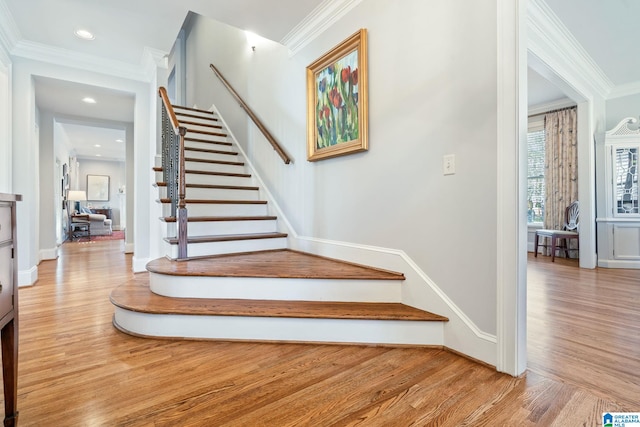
<point x="9" y="305"/>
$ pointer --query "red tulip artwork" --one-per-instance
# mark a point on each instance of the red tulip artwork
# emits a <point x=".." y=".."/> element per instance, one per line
<point x="337" y="102"/>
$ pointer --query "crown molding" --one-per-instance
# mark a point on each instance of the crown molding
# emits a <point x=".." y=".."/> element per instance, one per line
<point x="9" y="33"/>
<point x="551" y="41"/>
<point x="626" y="89"/>
<point x="322" y="17"/>
<point x="152" y="59"/>
<point x="67" y="58"/>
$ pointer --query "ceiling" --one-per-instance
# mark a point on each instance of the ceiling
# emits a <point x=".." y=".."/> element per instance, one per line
<point x="607" y="31"/>
<point x="124" y="29"/>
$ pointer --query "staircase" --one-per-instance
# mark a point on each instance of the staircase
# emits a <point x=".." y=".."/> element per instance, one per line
<point x="241" y="282"/>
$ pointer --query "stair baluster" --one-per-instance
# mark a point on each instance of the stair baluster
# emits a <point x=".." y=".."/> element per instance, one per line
<point x="173" y="168"/>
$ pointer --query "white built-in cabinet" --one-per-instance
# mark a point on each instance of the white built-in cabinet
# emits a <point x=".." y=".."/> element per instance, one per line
<point x="618" y="214"/>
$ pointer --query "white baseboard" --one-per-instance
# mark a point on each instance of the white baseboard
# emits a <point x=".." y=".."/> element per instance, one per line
<point x="128" y="248"/>
<point x="47" y="254"/>
<point x="28" y="277"/>
<point x="418" y="290"/>
<point x="138" y="265"/>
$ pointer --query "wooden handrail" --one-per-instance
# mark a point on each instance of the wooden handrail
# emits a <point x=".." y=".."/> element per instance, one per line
<point x="253" y="117"/>
<point x="167" y="104"/>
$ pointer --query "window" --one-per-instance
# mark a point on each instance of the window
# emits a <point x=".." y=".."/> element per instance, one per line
<point x="535" y="171"/>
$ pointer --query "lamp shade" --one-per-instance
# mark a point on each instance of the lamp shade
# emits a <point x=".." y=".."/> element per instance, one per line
<point x="77" y="195"/>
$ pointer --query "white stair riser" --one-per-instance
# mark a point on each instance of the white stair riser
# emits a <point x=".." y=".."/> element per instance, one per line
<point x="207" y="209"/>
<point x="203" y="125"/>
<point x="215" y="193"/>
<point x="289" y="289"/>
<point x="396" y="332"/>
<point x="214" y="156"/>
<point x="214" y="167"/>
<point x="230" y="247"/>
<point x="206" y="115"/>
<point x="209" y="146"/>
<point x="194" y="178"/>
<point x="241" y="181"/>
<point x="218" y="228"/>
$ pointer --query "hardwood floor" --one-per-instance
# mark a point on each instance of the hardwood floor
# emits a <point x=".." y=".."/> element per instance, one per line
<point x="76" y="369"/>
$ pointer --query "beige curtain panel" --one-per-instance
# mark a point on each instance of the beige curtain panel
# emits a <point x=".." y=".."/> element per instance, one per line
<point x="561" y="165"/>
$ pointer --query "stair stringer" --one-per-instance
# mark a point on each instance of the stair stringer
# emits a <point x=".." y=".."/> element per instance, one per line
<point x="460" y="333"/>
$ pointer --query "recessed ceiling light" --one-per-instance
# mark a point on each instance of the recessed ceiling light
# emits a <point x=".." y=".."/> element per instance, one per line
<point x="98" y="155"/>
<point x="119" y="140"/>
<point x="89" y="100"/>
<point x="98" y="145"/>
<point x="84" y="34"/>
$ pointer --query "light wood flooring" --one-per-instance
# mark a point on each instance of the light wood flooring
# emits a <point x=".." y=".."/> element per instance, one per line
<point x="76" y="369"/>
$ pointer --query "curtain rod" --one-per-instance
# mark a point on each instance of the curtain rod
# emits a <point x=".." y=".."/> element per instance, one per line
<point x="554" y="111"/>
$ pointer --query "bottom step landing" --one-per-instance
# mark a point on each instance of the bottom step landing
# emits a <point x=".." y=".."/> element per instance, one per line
<point x="139" y="311"/>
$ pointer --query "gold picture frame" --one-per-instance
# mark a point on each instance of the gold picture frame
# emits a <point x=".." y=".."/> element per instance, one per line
<point x="337" y="100"/>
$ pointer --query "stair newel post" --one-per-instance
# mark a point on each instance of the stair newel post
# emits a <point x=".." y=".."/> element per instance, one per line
<point x="182" y="207"/>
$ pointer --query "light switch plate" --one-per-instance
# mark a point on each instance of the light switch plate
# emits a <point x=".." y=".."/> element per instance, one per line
<point x="449" y="164"/>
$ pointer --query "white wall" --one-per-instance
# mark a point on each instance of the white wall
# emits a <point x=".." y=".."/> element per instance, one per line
<point x="5" y="122"/>
<point x="212" y="42"/>
<point x="47" y="186"/>
<point x="432" y="91"/>
<point x="620" y="108"/>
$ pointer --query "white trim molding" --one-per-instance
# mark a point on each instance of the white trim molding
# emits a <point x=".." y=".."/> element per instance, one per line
<point x="28" y="277"/>
<point x="511" y="251"/>
<point x="553" y="43"/>
<point x="67" y="58"/>
<point x="321" y="18"/>
<point x="152" y="59"/>
<point x="48" y="254"/>
<point x="9" y="32"/>
<point x="627" y="89"/>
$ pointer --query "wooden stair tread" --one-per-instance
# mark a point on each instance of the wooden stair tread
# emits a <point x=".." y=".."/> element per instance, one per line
<point x="189" y="122"/>
<point x="213" y="186"/>
<point x="215" y="162"/>
<point x="180" y="107"/>
<point x="227" y="238"/>
<point x="139" y="298"/>
<point x="283" y="263"/>
<point x="218" y="202"/>
<point x="195" y="116"/>
<point x="220" y="218"/>
<point x="206" y="150"/>
<point x="206" y="132"/>
<point x="199" y="172"/>
<point x="207" y="141"/>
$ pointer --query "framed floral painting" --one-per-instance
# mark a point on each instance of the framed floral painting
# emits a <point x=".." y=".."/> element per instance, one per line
<point x="337" y="116"/>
